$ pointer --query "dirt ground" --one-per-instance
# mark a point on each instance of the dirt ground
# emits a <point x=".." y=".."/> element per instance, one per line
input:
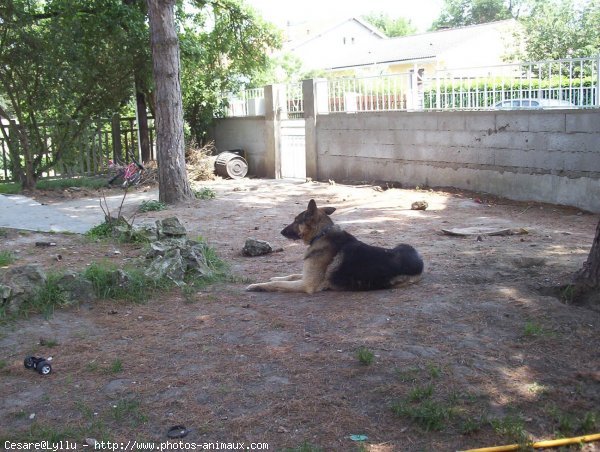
<point x="474" y="355"/>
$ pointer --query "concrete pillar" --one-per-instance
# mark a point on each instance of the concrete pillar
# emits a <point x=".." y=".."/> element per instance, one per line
<point x="274" y="105"/>
<point x="316" y="98"/>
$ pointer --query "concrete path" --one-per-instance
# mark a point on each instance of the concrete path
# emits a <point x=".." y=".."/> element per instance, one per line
<point x="74" y="215"/>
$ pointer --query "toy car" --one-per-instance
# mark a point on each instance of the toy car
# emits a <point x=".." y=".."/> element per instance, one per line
<point x="40" y="364"/>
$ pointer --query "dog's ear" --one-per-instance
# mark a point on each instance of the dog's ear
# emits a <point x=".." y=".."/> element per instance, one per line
<point x="312" y="206"/>
<point x="328" y="210"/>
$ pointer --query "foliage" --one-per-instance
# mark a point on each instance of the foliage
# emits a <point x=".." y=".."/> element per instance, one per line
<point x="100" y="231"/>
<point x="6" y="257"/>
<point x="59" y="60"/>
<point x="486" y="92"/>
<point x="10" y="188"/>
<point x="108" y="283"/>
<point x="458" y="13"/>
<point x="65" y="62"/>
<point x="223" y="47"/>
<point x="47" y="298"/>
<point x="152" y="206"/>
<point x="118" y="229"/>
<point x="61" y="184"/>
<point x="205" y="193"/>
<point x="399" y="26"/>
<point x="552" y="29"/>
<point x="365" y="356"/>
<point x="561" y="29"/>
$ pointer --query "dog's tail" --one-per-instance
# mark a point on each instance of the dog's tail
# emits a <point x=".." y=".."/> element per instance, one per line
<point x="408" y="260"/>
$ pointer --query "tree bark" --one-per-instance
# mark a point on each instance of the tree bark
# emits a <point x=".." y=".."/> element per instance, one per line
<point x="172" y="175"/>
<point x="586" y="282"/>
<point x="142" y="117"/>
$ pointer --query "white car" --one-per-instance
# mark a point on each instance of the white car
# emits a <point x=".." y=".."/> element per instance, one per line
<point x="534" y="103"/>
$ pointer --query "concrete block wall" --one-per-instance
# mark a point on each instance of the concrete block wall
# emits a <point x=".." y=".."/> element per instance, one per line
<point x="531" y="155"/>
<point x="549" y="156"/>
<point x="249" y="134"/>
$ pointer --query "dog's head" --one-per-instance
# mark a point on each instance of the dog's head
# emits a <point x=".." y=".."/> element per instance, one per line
<point x="309" y="223"/>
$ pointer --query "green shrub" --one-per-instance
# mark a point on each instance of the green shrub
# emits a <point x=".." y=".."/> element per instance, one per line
<point x="6" y="257"/>
<point x="205" y="193"/>
<point x="152" y="206"/>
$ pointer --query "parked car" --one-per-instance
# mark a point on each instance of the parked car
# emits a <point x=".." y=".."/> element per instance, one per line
<point x="534" y="103"/>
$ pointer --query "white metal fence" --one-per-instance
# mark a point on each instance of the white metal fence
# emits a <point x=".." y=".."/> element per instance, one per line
<point x="541" y="84"/>
<point x="567" y="83"/>
<point x="294" y="100"/>
<point x="249" y="102"/>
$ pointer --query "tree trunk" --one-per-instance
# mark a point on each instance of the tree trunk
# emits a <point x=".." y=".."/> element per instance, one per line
<point x="28" y="177"/>
<point x="172" y="175"/>
<point x="142" y="117"/>
<point x="586" y="282"/>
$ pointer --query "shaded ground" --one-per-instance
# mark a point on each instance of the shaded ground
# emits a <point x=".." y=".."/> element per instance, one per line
<point x="471" y="356"/>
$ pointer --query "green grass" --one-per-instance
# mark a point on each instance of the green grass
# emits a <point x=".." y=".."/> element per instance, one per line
<point x="420" y="393"/>
<point x="434" y="370"/>
<point x="205" y="193"/>
<point x="3" y="364"/>
<point x="49" y="297"/>
<point x="365" y="356"/>
<point x="219" y="271"/>
<point x="152" y="206"/>
<point x="116" y="366"/>
<point x="6" y="258"/>
<point x="48" y="343"/>
<point x="512" y="429"/>
<point x="128" y="411"/>
<point x="3" y="232"/>
<point x="428" y="414"/>
<point x="137" y="288"/>
<point x="61" y="184"/>
<point x="10" y="188"/>
<point x="118" y="230"/>
<point x="571" y="424"/>
<point x="100" y="231"/>
<point x="533" y="329"/>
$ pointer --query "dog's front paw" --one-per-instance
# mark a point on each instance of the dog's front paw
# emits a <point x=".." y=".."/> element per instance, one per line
<point x="255" y="288"/>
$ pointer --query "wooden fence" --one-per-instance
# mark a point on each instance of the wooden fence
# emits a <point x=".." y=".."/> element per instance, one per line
<point x="105" y="139"/>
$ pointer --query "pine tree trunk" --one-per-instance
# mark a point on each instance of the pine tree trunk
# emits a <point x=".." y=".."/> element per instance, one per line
<point x="172" y="176"/>
<point x="586" y="282"/>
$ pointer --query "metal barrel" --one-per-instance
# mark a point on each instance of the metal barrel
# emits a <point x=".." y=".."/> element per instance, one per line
<point x="231" y="165"/>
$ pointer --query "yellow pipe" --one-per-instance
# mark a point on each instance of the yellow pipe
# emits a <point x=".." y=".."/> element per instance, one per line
<point x="541" y="444"/>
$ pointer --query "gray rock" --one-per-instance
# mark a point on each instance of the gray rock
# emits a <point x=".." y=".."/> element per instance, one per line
<point x="76" y="288"/>
<point x="169" y="227"/>
<point x="254" y="247"/>
<point x="23" y="282"/>
<point x="171" y="266"/>
<point x="192" y="253"/>
<point x="120" y="278"/>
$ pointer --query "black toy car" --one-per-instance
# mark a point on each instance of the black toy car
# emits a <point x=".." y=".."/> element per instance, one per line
<point x="40" y="364"/>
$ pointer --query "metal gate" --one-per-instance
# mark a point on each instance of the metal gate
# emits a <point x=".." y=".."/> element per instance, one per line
<point x="293" y="149"/>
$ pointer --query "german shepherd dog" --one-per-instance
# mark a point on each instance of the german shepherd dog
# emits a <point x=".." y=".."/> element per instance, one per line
<point x="336" y="260"/>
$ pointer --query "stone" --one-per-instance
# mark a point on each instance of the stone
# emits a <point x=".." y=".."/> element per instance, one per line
<point x="120" y="278"/>
<point x="169" y="227"/>
<point x="254" y="247"/>
<point x="76" y="288"/>
<point x="22" y="282"/>
<point x="171" y="266"/>
<point x="419" y="205"/>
